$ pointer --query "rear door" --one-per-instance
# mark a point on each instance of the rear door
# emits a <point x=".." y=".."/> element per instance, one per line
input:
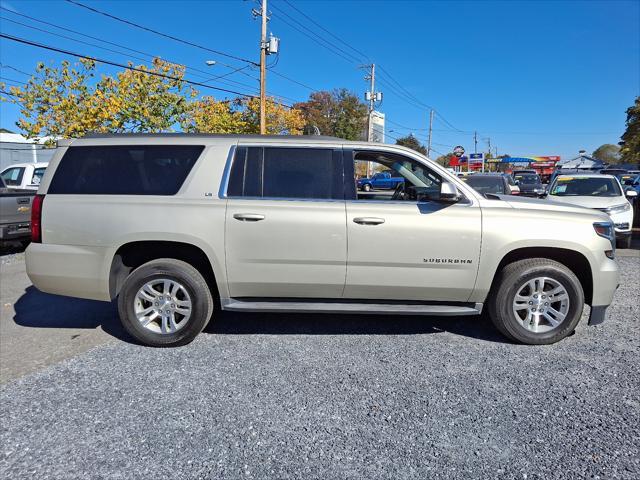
<point x="285" y="223"/>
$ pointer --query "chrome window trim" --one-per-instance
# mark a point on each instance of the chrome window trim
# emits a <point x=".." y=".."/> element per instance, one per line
<point x="224" y="184"/>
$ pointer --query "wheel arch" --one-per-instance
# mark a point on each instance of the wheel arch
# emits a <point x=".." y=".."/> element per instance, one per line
<point x="572" y="259"/>
<point x="131" y="255"/>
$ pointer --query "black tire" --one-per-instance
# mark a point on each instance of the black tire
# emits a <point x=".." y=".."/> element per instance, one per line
<point x="178" y="271"/>
<point x="366" y="187"/>
<point x="511" y="278"/>
<point x="624" y="242"/>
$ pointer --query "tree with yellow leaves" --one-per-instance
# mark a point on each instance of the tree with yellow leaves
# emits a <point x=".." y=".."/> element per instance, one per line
<point x="65" y="102"/>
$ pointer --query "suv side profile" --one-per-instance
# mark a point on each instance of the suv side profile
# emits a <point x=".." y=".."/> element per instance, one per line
<point x="178" y="226"/>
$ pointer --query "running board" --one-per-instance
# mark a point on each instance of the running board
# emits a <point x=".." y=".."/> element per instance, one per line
<point x="235" y="305"/>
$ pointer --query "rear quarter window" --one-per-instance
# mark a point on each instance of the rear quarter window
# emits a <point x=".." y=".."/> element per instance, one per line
<point x="124" y="170"/>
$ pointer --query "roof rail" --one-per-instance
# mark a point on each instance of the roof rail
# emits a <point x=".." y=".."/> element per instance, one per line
<point x="210" y="135"/>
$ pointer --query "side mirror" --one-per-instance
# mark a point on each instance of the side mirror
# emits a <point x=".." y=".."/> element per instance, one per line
<point x="631" y="193"/>
<point x="449" y="193"/>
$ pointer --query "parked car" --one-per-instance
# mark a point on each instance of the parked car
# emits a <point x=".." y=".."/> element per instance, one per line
<point x="530" y="184"/>
<point x="259" y="223"/>
<point x="380" y="181"/>
<point x="15" y="213"/>
<point x="483" y="183"/>
<point x="24" y="175"/>
<point x="600" y="192"/>
<point x="523" y="172"/>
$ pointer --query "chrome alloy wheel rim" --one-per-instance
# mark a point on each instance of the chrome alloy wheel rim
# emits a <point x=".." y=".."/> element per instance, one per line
<point x="163" y="306"/>
<point x="541" y="304"/>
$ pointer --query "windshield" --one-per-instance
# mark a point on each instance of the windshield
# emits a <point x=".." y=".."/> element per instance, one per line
<point x="586" y="187"/>
<point x="485" y="184"/>
<point x="530" y="178"/>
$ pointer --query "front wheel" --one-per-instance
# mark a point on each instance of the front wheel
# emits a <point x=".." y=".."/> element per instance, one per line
<point x="366" y="187"/>
<point x="165" y="303"/>
<point x="536" y="301"/>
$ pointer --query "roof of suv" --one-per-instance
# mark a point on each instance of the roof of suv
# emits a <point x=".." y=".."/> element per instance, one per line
<point x="212" y="135"/>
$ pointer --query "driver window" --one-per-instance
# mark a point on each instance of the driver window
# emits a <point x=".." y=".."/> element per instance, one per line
<point x="405" y="179"/>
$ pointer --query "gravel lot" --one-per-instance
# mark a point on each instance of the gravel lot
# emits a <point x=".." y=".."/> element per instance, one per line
<point x="292" y="396"/>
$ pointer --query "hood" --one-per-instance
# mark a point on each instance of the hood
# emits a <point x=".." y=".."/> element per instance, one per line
<point x="527" y="203"/>
<point x="589" y="202"/>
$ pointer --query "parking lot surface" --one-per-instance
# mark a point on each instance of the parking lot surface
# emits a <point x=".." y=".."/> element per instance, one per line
<point x="319" y="396"/>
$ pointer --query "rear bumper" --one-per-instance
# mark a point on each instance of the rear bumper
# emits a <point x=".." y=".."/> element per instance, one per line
<point x="73" y="271"/>
<point x="15" y="231"/>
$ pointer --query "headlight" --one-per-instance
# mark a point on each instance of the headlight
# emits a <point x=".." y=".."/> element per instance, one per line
<point x="605" y="229"/>
<point x="619" y="208"/>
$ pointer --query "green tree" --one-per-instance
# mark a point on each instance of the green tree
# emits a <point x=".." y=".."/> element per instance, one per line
<point x="412" y="142"/>
<point x="66" y="102"/>
<point x="444" y="159"/>
<point x="630" y="151"/>
<point x="608" y="153"/>
<point x="338" y="113"/>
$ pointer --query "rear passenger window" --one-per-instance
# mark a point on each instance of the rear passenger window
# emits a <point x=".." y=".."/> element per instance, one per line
<point x="274" y="172"/>
<point x="124" y="170"/>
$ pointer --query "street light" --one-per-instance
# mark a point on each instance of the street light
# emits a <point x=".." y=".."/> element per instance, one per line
<point x="210" y="63"/>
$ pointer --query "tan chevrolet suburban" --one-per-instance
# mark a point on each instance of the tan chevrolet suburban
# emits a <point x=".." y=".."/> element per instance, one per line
<point x="177" y="226"/>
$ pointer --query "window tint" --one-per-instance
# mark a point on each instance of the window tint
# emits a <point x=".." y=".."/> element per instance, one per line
<point x="124" y="170"/>
<point x="274" y="172"/>
<point x="245" y="179"/>
<point x="37" y="175"/>
<point x="485" y="184"/>
<point x="410" y="180"/>
<point x="13" y="176"/>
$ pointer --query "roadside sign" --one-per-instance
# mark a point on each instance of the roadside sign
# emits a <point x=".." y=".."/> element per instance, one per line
<point x="458" y="151"/>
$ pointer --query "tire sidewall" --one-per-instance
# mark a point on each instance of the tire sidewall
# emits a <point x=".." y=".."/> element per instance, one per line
<point x="366" y="187"/>
<point x="512" y="285"/>
<point x="200" y="312"/>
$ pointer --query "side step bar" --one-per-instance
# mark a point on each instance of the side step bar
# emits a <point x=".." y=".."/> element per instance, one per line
<point x="235" y="305"/>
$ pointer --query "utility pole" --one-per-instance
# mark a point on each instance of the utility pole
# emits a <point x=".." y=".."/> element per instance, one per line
<point x="372" y="100"/>
<point x="489" y="146"/>
<point x="430" y="132"/>
<point x="372" y="97"/>
<point x="263" y="70"/>
<point x="475" y="142"/>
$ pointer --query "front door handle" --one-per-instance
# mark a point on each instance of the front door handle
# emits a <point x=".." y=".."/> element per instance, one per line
<point x="369" y="220"/>
<point x="248" y="217"/>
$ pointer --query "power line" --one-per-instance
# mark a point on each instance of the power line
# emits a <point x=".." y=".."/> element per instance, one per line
<point x="292" y="80"/>
<point x="166" y="35"/>
<point x="363" y="55"/>
<point x="116" y="64"/>
<point x="4" y="65"/>
<point x="206" y="74"/>
<point x="316" y="38"/>
<point x="6" y="79"/>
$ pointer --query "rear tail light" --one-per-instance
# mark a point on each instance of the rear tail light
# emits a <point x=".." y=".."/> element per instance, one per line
<point x="36" y="219"/>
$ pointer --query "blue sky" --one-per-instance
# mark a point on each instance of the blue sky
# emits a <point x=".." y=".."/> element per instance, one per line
<point x="538" y="78"/>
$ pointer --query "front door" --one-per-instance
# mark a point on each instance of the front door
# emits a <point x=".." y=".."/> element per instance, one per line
<point x="404" y="245"/>
<point x="285" y="223"/>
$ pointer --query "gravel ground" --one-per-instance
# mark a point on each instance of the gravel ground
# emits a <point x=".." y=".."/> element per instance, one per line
<point x="290" y="396"/>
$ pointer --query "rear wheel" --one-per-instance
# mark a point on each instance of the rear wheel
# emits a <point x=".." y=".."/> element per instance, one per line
<point x="165" y="303"/>
<point x="537" y="301"/>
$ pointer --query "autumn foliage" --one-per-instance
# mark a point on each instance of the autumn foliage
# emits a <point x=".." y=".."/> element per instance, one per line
<point x="69" y="101"/>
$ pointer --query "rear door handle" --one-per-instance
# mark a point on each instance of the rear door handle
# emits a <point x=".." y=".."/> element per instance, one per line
<point x="369" y="220"/>
<point x="248" y="217"/>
